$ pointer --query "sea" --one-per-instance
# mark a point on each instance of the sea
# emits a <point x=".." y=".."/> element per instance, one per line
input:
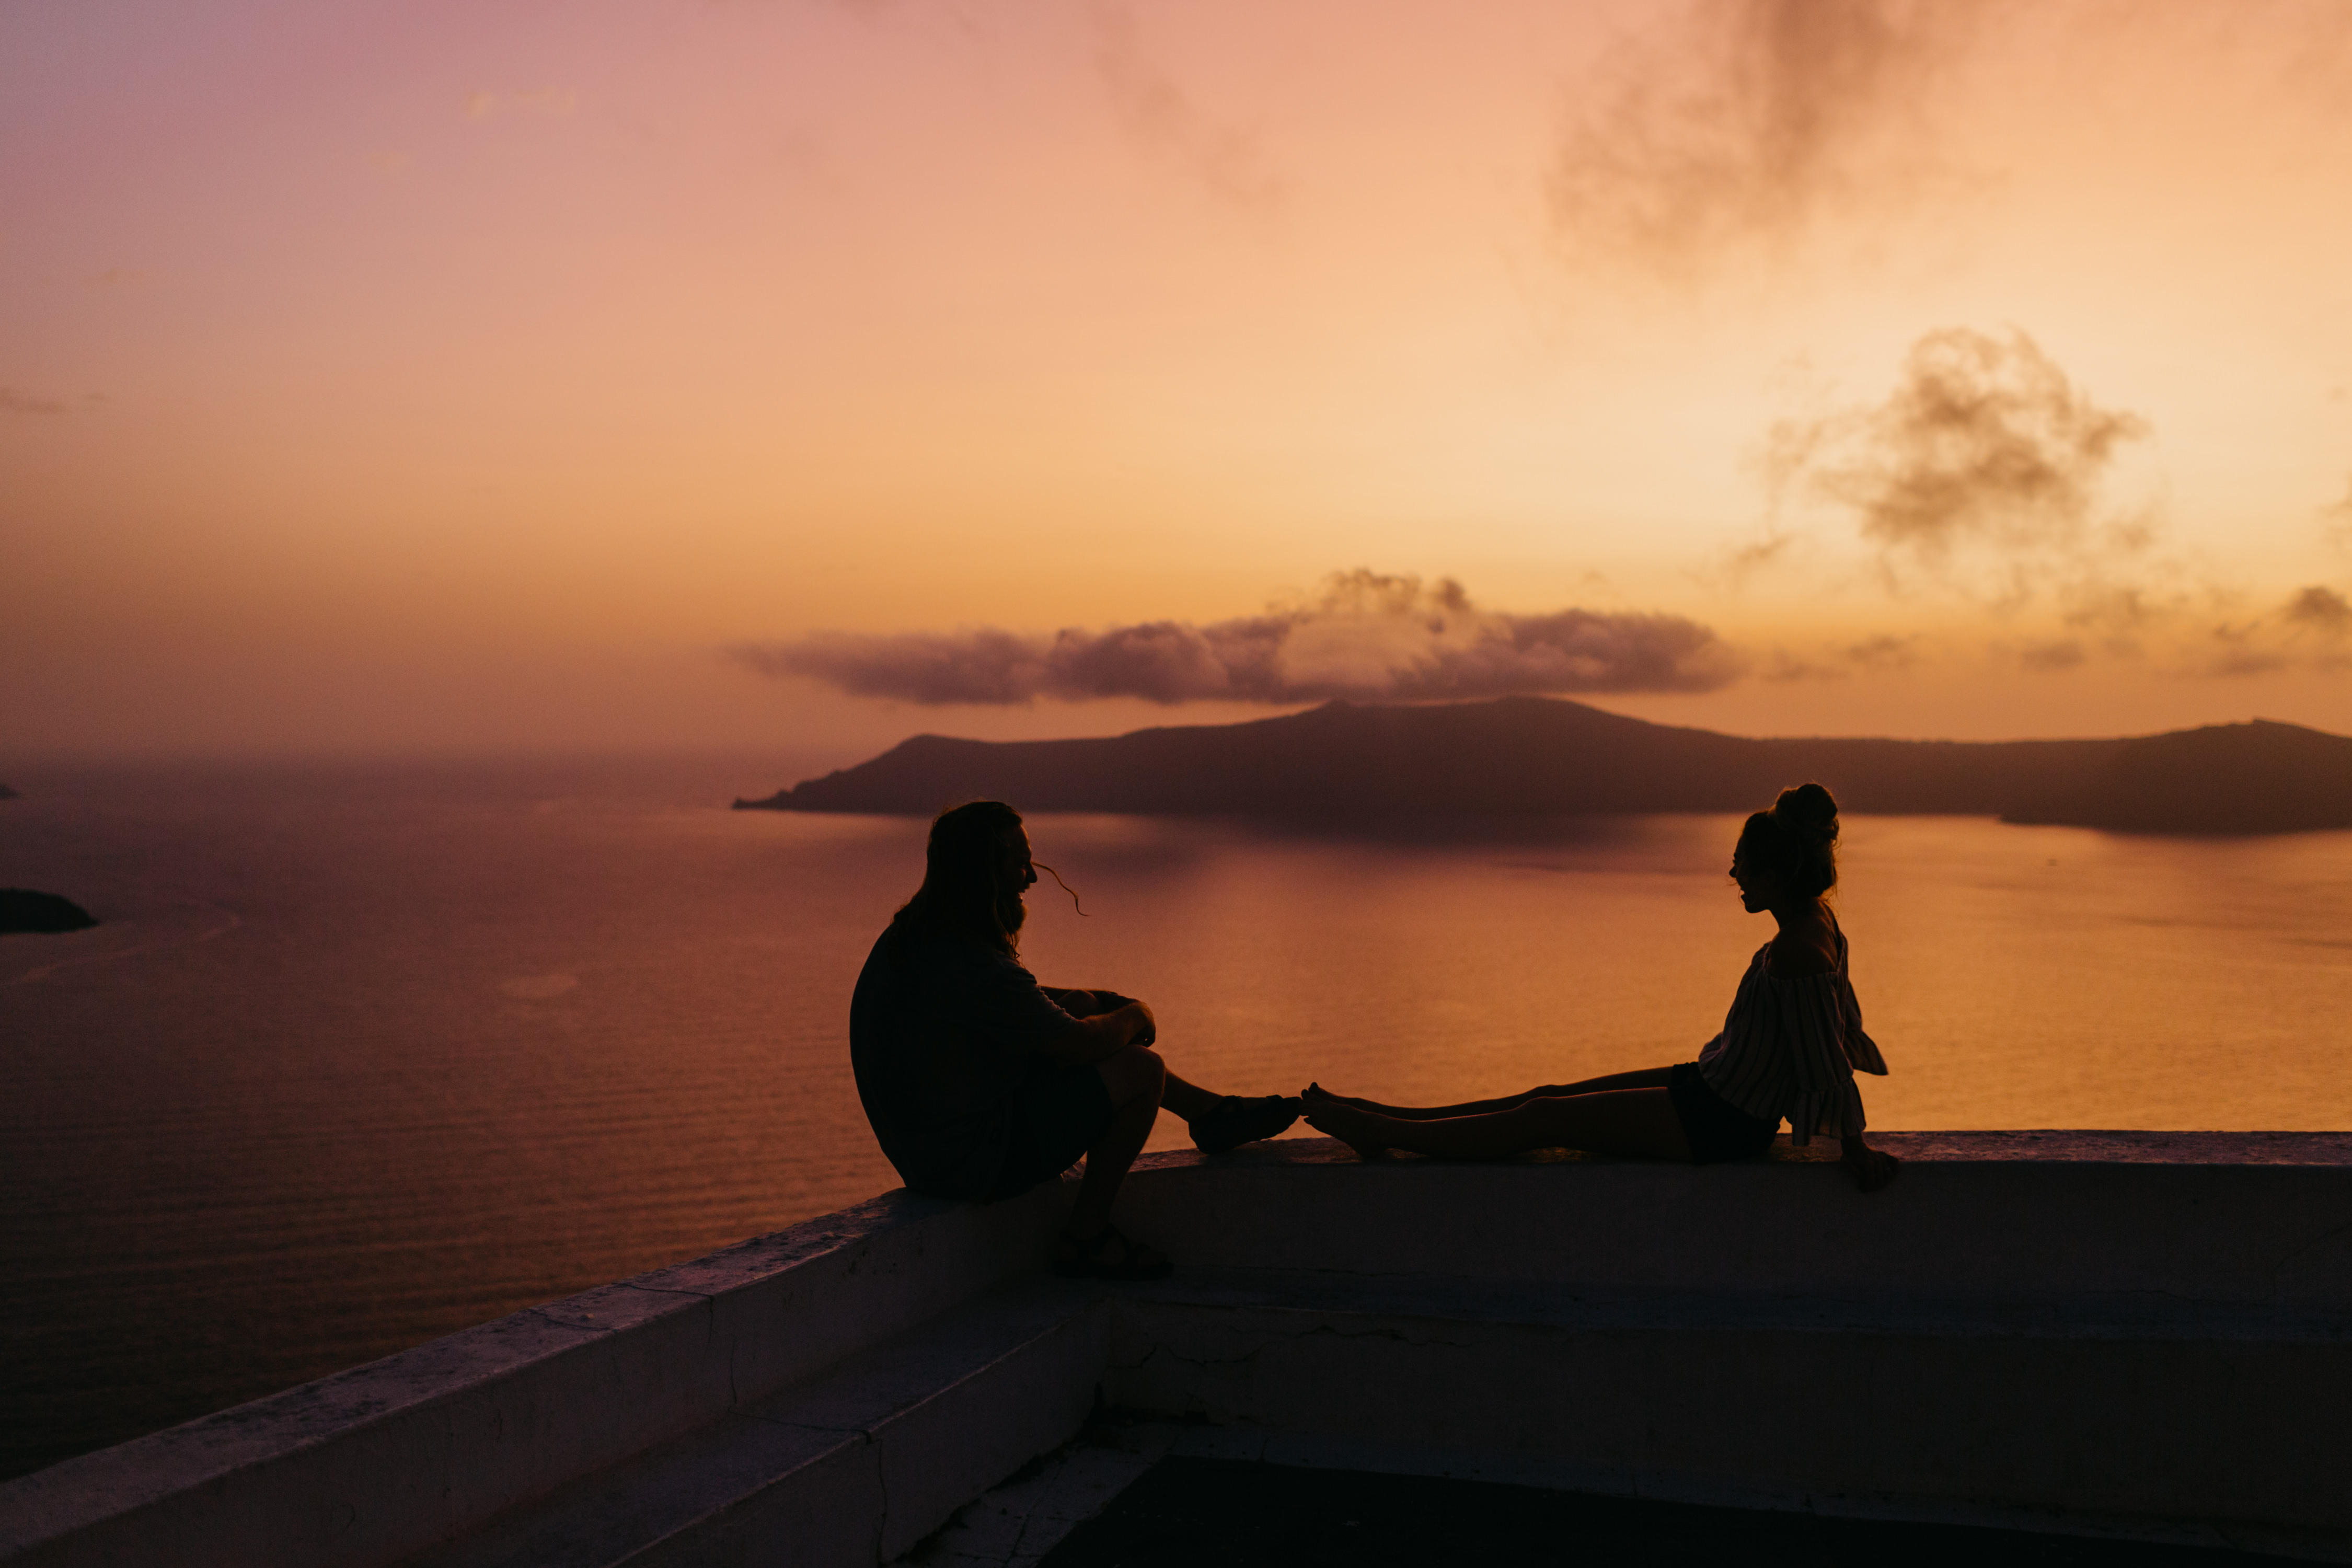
<point x="363" y="1053"/>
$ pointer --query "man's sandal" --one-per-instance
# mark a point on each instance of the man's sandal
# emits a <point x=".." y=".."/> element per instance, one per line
<point x="1236" y="1121"/>
<point x="1110" y="1255"/>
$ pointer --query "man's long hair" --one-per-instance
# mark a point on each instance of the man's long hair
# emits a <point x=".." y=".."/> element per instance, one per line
<point x="965" y="893"/>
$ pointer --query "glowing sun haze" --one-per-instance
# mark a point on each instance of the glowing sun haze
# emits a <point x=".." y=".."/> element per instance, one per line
<point x="427" y="375"/>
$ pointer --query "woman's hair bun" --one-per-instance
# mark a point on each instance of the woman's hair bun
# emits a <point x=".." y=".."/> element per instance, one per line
<point x="1797" y="837"/>
<point x="1808" y="812"/>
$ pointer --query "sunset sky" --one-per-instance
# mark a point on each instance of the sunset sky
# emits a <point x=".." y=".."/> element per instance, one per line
<point x="783" y="372"/>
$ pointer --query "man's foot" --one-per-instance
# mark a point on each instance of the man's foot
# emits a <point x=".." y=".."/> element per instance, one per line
<point x="1358" y="1130"/>
<point x="1108" y="1254"/>
<point x="1236" y="1121"/>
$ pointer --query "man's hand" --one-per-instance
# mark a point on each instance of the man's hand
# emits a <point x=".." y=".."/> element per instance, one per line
<point x="1870" y="1168"/>
<point x="1090" y="1040"/>
<point x="1096" y="1003"/>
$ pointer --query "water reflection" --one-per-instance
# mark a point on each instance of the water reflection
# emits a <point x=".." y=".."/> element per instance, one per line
<point x="447" y="1048"/>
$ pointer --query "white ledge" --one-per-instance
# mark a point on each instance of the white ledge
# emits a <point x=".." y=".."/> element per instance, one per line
<point x="2128" y="1294"/>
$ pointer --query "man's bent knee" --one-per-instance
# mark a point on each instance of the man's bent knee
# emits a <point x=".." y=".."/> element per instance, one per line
<point x="1133" y="1073"/>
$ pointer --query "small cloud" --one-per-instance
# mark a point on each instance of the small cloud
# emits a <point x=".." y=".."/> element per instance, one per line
<point x="1159" y="115"/>
<point x="1885" y="652"/>
<point x="1872" y="655"/>
<point x="2051" y="657"/>
<point x="2239" y="657"/>
<point x="1784" y="667"/>
<point x="389" y="163"/>
<point x="2308" y="630"/>
<point x="14" y="402"/>
<point x="2339" y="518"/>
<point x="1363" y="636"/>
<point x="2112" y="607"/>
<point x="2318" y="609"/>
<point x="1764" y="550"/>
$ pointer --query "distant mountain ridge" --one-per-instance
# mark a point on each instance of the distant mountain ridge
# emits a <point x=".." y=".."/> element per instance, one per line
<point x="1520" y="756"/>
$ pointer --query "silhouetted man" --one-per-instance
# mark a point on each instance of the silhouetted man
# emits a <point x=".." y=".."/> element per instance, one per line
<point x="982" y="1084"/>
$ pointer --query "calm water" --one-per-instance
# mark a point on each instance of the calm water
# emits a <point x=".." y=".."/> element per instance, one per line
<point x="361" y="1057"/>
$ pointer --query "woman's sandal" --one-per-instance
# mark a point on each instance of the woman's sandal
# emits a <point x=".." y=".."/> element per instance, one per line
<point x="1110" y="1255"/>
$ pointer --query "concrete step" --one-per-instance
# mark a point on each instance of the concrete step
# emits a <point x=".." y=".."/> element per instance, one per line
<point x="2119" y="1406"/>
<point x="851" y="1467"/>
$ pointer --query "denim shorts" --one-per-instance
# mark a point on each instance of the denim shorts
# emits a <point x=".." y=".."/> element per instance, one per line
<point x="1718" y="1130"/>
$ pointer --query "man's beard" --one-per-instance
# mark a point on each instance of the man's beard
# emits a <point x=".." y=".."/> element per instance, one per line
<point x="1011" y="912"/>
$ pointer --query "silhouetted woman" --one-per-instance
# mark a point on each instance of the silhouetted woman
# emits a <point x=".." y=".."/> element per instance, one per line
<point x="1789" y="1048"/>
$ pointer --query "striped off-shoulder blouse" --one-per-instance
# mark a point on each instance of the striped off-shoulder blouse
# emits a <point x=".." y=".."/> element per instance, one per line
<point x="1790" y="1048"/>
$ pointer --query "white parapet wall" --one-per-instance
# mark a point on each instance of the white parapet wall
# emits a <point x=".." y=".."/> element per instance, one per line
<point x="2128" y="1331"/>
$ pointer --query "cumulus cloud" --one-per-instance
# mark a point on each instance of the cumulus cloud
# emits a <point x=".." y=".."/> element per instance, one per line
<point x="1985" y="470"/>
<point x="1363" y="636"/>
<point x="1159" y="115"/>
<point x="1736" y="120"/>
<point x="1984" y="438"/>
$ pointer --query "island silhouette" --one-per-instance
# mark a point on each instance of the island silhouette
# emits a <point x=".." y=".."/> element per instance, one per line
<point x="23" y="910"/>
<point x="1530" y="756"/>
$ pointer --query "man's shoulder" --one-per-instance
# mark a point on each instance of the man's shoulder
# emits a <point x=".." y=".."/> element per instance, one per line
<point x="917" y="953"/>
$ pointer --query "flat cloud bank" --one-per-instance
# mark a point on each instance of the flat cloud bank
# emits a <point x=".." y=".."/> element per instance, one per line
<point x="1525" y="756"/>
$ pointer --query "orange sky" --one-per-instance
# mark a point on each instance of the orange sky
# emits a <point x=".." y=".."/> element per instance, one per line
<point x="426" y="376"/>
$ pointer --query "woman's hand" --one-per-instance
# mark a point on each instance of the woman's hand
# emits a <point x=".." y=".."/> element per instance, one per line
<point x="1870" y="1168"/>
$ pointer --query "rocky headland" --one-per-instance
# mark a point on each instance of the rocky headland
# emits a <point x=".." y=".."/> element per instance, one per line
<point x="1525" y="756"/>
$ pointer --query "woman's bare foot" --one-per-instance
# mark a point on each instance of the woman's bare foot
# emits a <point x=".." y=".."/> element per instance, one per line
<point x="1359" y="1130"/>
<point x="1316" y="1092"/>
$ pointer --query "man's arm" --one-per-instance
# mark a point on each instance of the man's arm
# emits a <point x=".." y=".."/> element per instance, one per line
<point x="1085" y="1004"/>
<point x="1090" y="1040"/>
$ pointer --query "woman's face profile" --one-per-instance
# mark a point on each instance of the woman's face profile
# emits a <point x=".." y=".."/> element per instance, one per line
<point x="1757" y="887"/>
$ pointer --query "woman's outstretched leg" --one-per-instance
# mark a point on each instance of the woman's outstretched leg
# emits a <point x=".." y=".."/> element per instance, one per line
<point x="1635" y="1121"/>
<point x="1640" y="1077"/>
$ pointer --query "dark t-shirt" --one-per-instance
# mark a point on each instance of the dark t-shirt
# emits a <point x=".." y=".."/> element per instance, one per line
<point x="943" y="1035"/>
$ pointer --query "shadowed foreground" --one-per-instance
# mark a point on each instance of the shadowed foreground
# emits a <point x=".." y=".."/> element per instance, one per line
<point x="1184" y="1511"/>
<point x="2120" y="1336"/>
